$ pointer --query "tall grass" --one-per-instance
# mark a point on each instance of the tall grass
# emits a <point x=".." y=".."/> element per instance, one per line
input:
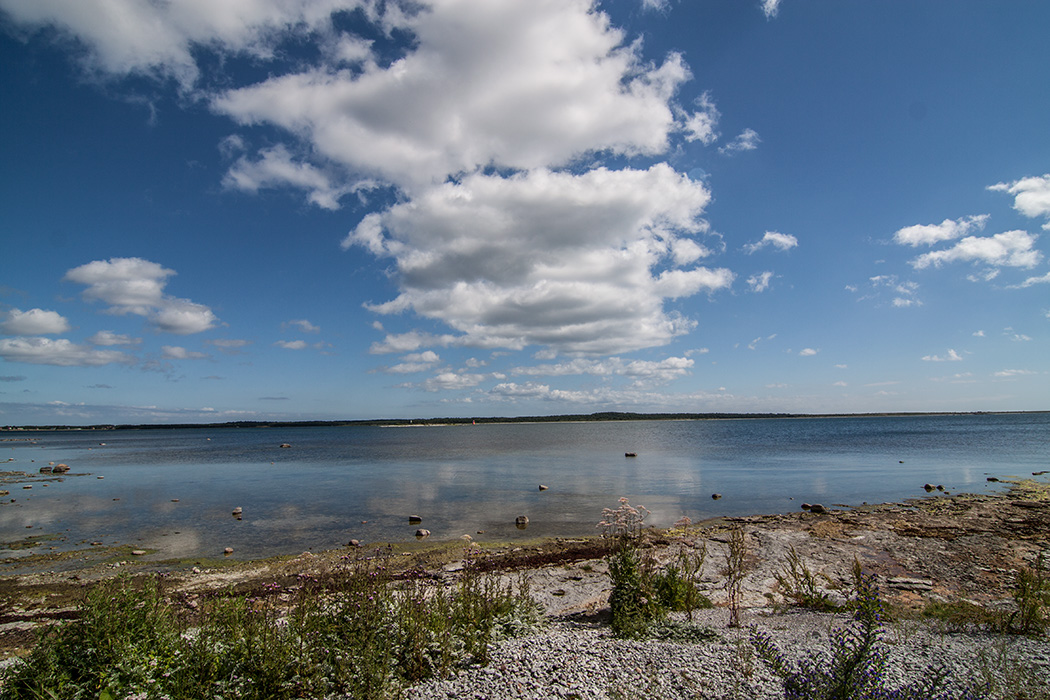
<point x="368" y="640"/>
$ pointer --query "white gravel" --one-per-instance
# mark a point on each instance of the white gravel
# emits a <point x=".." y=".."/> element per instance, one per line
<point x="582" y="659"/>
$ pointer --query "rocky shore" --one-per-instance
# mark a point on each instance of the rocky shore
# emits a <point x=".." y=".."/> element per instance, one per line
<point x="936" y="549"/>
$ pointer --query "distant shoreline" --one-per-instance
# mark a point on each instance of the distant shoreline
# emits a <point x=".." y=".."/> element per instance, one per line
<point x="499" y="420"/>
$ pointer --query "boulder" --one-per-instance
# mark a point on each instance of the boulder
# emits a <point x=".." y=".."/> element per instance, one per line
<point x="817" y="508"/>
<point x="421" y="533"/>
<point x="415" y="519"/>
<point x="521" y="522"/>
<point x="543" y="487"/>
<point x="715" y="496"/>
<point x="228" y="551"/>
<point x="60" y="468"/>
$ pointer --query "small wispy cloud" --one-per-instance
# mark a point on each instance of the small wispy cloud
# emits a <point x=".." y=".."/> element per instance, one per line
<point x="302" y="324"/>
<point x="952" y="356"/>
<point x="760" y="282"/>
<point x="774" y="239"/>
<point x="746" y="140"/>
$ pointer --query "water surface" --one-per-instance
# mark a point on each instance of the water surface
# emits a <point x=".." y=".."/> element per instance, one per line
<point x="338" y="483"/>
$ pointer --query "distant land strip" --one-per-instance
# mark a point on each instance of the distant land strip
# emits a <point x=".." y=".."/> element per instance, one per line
<point x="564" y="418"/>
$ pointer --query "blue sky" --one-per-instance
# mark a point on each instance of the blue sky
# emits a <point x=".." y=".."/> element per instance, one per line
<point x="327" y="209"/>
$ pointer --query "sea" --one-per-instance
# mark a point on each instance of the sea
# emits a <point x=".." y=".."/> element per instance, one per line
<point x="173" y="492"/>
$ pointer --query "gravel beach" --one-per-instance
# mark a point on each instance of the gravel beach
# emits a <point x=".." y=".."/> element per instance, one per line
<point x="939" y="549"/>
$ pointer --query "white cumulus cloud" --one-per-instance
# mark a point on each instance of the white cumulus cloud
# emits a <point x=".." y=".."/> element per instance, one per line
<point x="1009" y="249"/>
<point x="1031" y="196"/>
<point x="518" y="85"/>
<point x="34" y="322"/>
<point x="580" y="263"/>
<point x="136" y="286"/>
<point x="947" y="230"/>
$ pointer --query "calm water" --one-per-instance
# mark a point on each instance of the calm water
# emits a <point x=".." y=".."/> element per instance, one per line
<point x="462" y="479"/>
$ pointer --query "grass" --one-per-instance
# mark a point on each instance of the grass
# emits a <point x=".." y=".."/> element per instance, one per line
<point x="368" y="639"/>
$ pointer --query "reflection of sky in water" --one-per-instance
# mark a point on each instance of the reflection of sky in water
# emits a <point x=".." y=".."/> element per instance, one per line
<point x="468" y="478"/>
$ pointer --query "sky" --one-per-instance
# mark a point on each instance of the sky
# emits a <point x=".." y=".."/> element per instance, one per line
<point x="221" y="210"/>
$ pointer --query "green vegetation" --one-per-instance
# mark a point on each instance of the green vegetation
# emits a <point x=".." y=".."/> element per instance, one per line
<point x="1031" y="615"/>
<point x="802" y="587"/>
<point x="642" y="596"/>
<point x="461" y="420"/>
<point x="854" y="666"/>
<point x="368" y="639"/>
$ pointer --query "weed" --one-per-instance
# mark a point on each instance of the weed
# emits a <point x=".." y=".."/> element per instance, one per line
<point x="1032" y="595"/>
<point x="961" y="616"/>
<point x="737" y="565"/>
<point x="802" y="586"/>
<point x="853" y="668"/>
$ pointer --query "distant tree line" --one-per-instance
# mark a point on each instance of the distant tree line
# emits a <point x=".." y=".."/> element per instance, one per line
<point x="459" y="420"/>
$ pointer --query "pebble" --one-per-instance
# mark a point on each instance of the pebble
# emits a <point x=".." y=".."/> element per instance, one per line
<point x="592" y="664"/>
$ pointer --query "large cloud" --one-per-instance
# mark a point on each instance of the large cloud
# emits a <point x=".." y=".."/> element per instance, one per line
<point x="159" y="38"/>
<point x="136" y="286"/>
<point x="514" y="84"/>
<point x="471" y="121"/>
<point x="580" y="263"/>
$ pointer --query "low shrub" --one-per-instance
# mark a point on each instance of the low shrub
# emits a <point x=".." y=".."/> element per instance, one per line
<point x="366" y="640"/>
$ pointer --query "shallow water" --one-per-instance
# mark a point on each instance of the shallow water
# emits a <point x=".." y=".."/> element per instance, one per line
<point x="338" y="483"/>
